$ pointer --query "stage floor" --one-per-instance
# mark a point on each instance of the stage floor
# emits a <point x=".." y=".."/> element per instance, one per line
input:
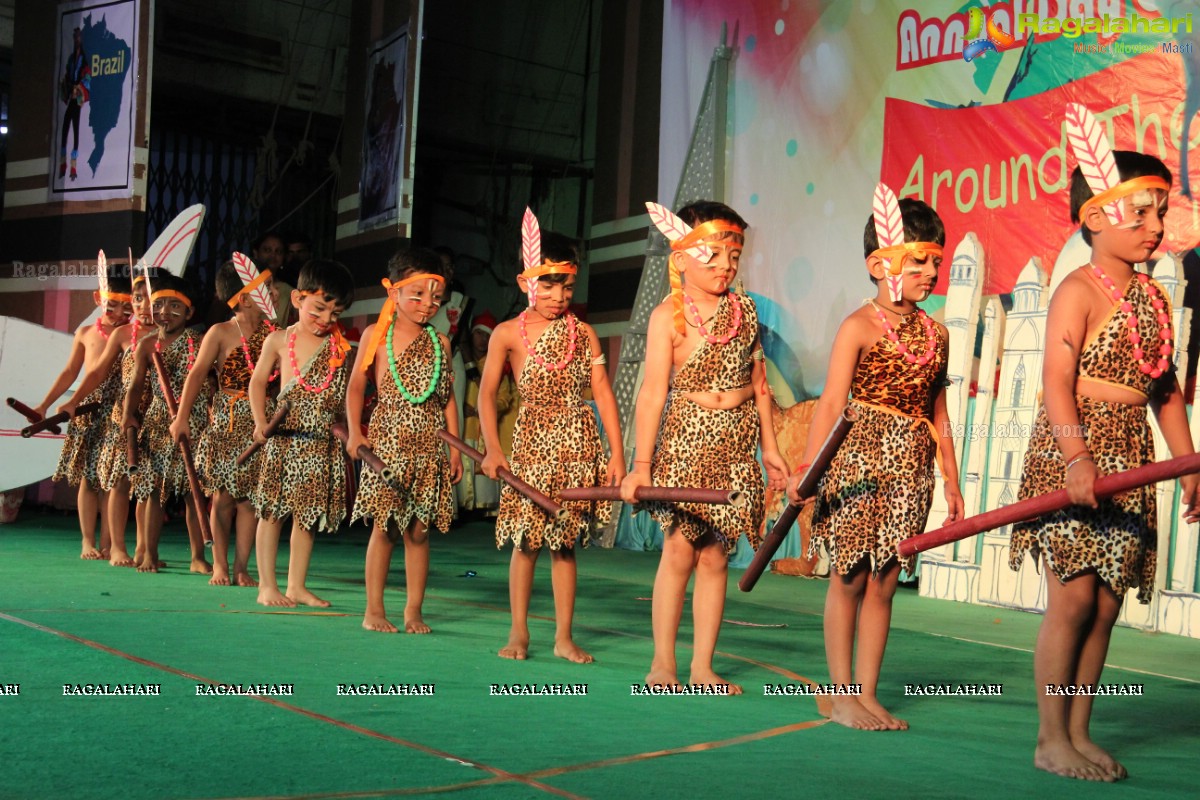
<point x="68" y="622"/>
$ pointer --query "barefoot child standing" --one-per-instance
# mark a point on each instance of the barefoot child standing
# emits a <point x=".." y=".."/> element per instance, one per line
<point x="556" y="443"/>
<point x="412" y="377"/>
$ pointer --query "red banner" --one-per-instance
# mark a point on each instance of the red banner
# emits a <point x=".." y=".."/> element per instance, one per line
<point x="1002" y="171"/>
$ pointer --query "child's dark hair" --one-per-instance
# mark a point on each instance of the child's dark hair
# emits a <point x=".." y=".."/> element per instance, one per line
<point x="1130" y="164"/>
<point x="921" y="224"/>
<point x="166" y="281"/>
<point x="228" y="282"/>
<point x="330" y="278"/>
<point x="703" y="211"/>
<point x="120" y="283"/>
<point x="412" y="261"/>
<point x="557" y="247"/>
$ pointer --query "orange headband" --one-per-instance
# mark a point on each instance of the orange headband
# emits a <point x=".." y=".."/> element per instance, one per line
<point x="389" y="308"/>
<point x="550" y="268"/>
<point x="171" y="293"/>
<point x="120" y="297"/>
<point x="1122" y="190"/>
<point x="254" y="284"/>
<point x="703" y="231"/>
<point x="897" y="252"/>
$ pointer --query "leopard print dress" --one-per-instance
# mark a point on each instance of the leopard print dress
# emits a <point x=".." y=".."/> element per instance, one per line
<point x="302" y="469"/>
<point x="231" y="425"/>
<point x="84" y="440"/>
<point x="879" y="487"/>
<point x="404" y="436"/>
<point x="160" y="468"/>
<point x="1119" y="539"/>
<point x="713" y="448"/>
<point x="114" y="457"/>
<point x="556" y="444"/>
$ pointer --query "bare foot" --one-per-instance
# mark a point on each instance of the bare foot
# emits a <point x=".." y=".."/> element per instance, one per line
<point x="90" y="554"/>
<point x="378" y="622"/>
<point x="1061" y="758"/>
<point x="244" y="579"/>
<point x="710" y="678"/>
<point x="1100" y="757"/>
<point x="414" y="623"/>
<point x="272" y="597"/>
<point x="307" y="598"/>
<point x="148" y="566"/>
<point x="120" y="558"/>
<point x="572" y="652"/>
<point x="658" y="677"/>
<point x="202" y="567"/>
<point x="220" y="577"/>
<point x="517" y="648"/>
<point x="849" y="712"/>
<point x="104" y="553"/>
<point x="875" y="709"/>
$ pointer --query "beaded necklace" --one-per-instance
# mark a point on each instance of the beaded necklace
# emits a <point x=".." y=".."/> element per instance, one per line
<point x="1165" y="349"/>
<point x="572" y="338"/>
<point x="100" y="329"/>
<point x="296" y="368"/>
<point x="416" y="400"/>
<point x="734" y="327"/>
<point x="901" y="348"/>
<point x="246" y="348"/>
<point x="191" y="348"/>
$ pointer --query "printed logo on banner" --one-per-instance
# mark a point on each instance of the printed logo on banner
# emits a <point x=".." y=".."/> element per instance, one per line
<point x="978" y="41"/>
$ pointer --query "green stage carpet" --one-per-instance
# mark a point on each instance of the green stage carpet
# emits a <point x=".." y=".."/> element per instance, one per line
<point x="68" y="622"/>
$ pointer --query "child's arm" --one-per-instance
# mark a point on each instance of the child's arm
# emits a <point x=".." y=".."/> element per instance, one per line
<point x="356" y="390"/>
<point x="267" y="359"/>
<point x="137" y="386"/>
<point x="63" y="381"/>
<point x="854" y="334"/>
<point x="606" y="404"/>
<point x="1172" y="420"/>
<point x="945" y="444"/>
<point x="498" y="350"/>
<point x="777" y="468"/>
<point x="210" y="349"/>
<point x="656" y="379"/>
<point x="96" y="375"/>
<point x="451" y="411"/>
<point x="1066" y="329"/>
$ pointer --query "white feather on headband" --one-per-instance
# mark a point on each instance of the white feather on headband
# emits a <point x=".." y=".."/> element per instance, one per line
<point x="671" y="226"/>
<point x="889" y="230"/>
<point x="531" y="250"/>
<point x="102" y="273"/>
<point x="249" y="274"/>
<point x="1090" y="145"/>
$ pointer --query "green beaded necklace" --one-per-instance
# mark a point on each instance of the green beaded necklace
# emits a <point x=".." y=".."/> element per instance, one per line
<point x="437" y="365"/>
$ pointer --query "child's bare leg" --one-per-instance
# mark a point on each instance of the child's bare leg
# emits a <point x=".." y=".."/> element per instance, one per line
<point x="298" y="559"/>
<point x="416" y="574"/>
<point x="520" y="589"/>
<point x="105" y="528"/>
<point x="563" y="577"/>
<point x="379" y="561"/>
<point x="1070" y="614"/>
<point x="1091" y="664"/>
<point x="246" y="524"/>
<point x="152" y="510"/>
<point x="842" y="600"/>
<point x="195" y="537"/>
<point x="220" y="520"/>
<point x="118" y="520"/>
<point x="670" y="585"/>
<point x="267" y="545"/>
<point x="87" y="503"/>
<point x="708" y="606"/>
<point x="874" y="623"/>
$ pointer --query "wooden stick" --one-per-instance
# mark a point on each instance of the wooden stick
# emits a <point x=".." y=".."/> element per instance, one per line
<point x="537" y="497"/>
<point x="368" y="457"/>
<point x="281" y="411"/>
<point x="54" y="419"/>
<point x="131" y="448"/>
<point x="185" y="448"/>
<point x="658" y="494"/>
<point x="806" y="489"/>
<point x="1106" y="486"/>
<point x="28" y="413"/>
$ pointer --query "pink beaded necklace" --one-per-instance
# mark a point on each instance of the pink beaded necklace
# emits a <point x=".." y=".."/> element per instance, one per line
<point x="296" y="367"/>
<point x="100" y="329"/>
<point x="1165" y="349"/>
<point x="734" y="327"/>
<point x="572" y="338"/>
<point x="191" y="348"/>
<point x="931" y="341"/>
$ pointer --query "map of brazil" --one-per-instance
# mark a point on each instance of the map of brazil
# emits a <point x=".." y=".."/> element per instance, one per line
<point x="110" y="58"/>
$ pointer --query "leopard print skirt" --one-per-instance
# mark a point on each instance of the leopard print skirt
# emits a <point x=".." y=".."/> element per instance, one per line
<point x="1118" y="540"/>
<point x="876" y="492"/>
<point x="160" y="461"/>
<point x="553" y="447"/>
<point x="709" y="448"/>
<point x="230" y="431"/>
<point x="79" y="460"/>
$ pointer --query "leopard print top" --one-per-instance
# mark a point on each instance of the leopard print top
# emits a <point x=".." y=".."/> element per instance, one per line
<point x="234" y="376"/>
<point x="721" y="367"/>
<point x="885" y="378"/>
<point x="1108" y="356"/>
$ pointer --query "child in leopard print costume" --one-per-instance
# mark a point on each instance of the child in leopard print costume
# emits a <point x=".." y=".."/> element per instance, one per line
<point x="890" y="358"/>
<point x="411" y="372"/>
<point x="706" y="368"/>
<point x="1109" y="356"/>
